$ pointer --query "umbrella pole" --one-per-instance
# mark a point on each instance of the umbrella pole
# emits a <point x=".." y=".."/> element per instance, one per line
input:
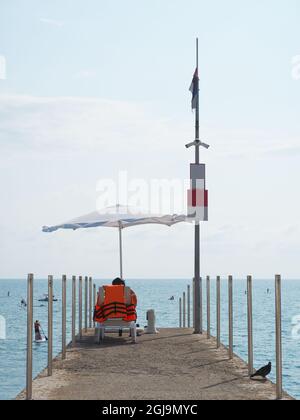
<point x="121" y="251"/>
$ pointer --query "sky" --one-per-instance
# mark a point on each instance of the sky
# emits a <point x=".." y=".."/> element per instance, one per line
<point x="91" y="88"/>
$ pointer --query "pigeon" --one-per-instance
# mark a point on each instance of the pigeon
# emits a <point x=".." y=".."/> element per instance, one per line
<point x="263" y="372"/>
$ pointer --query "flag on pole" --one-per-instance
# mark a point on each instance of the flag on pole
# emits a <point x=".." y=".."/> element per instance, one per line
<point x="194" y="89"/>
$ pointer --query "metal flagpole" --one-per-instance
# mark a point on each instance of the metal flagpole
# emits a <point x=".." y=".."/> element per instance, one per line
<point x="197" y="307"/>
<point x="195" y="179"/>
<point x="121" y="251"/>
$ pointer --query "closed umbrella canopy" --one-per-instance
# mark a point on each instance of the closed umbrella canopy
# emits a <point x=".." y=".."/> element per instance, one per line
<point x="120" y="217"/>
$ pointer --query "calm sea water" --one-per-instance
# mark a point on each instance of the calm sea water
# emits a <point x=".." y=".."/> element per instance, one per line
<point x="154" y="294"/>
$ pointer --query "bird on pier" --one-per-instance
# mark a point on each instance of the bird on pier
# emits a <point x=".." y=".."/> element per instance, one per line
<point x="263" y="372"/>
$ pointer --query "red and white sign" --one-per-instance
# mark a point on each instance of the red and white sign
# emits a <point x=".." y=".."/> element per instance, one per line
<point x="197" y="194"/>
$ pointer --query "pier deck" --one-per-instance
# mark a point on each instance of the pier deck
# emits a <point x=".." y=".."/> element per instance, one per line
<point x="172" y="365"/>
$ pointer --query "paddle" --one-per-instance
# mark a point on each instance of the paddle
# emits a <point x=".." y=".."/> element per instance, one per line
<point x="44" y="333"/>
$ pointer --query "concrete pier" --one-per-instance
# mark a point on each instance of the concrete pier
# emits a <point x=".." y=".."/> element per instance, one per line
<point x="172" y="365"/>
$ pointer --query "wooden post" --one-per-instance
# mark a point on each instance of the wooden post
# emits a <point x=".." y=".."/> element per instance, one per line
<point x="86" y="304"/>
<point x="279" y="390"/>
<point x="189" y="306"/>
<point x="64" y="316"/>
<point x="29" y="337"/>
<point x="218" y="312"/>
<point x="193" y="303"/>
<point x="250" y="325"/>
<point x="230" y="316"/>
<point x="80" y="307"/>
<point x="201" y="306"/>
<point x="90" y="301"/>
<point x="50" y="324"/>
<point x="180" y="313"/>
<point x="94" y="300"/>
<point x="208" y="305"/>
<point x="184" y="310"/>
<point x="73" y="311"/>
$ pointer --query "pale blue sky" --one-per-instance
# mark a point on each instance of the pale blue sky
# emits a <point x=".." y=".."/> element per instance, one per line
<point x="139" y="56"/>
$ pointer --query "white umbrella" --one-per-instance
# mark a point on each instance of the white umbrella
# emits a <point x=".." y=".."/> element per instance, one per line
<point x="119" y="217"/>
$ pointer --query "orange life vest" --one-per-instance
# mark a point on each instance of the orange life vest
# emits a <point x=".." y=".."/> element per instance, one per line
<point x="115" y="305"/>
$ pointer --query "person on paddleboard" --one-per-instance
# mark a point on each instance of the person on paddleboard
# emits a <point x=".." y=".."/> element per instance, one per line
<point x="37" y="330"/>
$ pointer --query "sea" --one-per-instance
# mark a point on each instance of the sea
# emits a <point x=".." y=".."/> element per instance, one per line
<point x="155" y="294"/>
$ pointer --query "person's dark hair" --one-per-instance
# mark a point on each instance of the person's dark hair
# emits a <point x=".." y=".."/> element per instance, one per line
<point x="118" y="282"/>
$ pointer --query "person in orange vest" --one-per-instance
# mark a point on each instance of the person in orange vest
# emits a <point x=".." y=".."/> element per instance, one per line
<point x="119" y="282"/>
<point x="116" y="303"/>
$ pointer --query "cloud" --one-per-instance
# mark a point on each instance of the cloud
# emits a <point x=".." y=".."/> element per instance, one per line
<point x="282" y="241"/>
<point x="57" y="123"/>
<point x="2" y="67"/>
<point x="85" y="74"/>
<point x="52" y="22"/>
<point x="262" y="147"/>
<point x="52" y="123"/>
<point x="291" y="150"/>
